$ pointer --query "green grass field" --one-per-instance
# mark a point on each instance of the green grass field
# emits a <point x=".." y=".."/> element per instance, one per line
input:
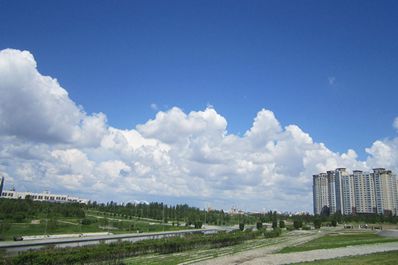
<point x="339" y="240"/>
<point x="384" y="258"/>
<point x="62" y="226"/>
<point x="121" y="217"/>
<point x="99" y="223"/>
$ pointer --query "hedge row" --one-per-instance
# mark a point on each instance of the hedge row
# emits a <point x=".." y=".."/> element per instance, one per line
<point x="117" y="251"/>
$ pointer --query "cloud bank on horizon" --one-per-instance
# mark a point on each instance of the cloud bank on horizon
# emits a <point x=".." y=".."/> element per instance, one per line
<point x="48" y="141"/>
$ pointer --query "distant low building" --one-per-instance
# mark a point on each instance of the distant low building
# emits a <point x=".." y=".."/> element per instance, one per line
<point x="235" y="211"/>
<point x="45" y="196"/>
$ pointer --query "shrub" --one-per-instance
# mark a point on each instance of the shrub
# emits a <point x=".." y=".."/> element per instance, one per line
<point x="289" y="228"/>
<point x="273" y="233"/>
<point x="317" y="223"/>
<point x="19" y="217"/>
<point x="86" y="221"/>
<point x="198" y="224"/>
<point x="241" y="226"/>
<point x="259" y="225"/>
<point x="282" y="224"/>
<point x="297" y="224"/>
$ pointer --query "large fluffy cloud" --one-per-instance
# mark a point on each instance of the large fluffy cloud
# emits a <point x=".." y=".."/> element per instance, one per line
<point x="47" y="141"/>
<point x="37" y="108"/>
<point x="384" y="153"/>
<point x="175" y="126"/>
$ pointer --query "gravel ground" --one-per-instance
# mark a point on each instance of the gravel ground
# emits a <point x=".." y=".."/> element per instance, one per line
<point x="323" y="254"/>
<point x="264" y="255"/>
<point x="388" y="233"/>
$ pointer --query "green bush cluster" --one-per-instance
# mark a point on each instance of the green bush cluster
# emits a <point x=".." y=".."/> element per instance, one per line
<point x="297" y="224"/>
<point x="273" y="233"/>
<point x="289" y="228"/>
<point x="198" y="224"/>
<point x="87" y="221"/>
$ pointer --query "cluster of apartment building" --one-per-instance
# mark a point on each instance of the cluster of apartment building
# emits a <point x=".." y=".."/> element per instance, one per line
<point x="358" y="192"/>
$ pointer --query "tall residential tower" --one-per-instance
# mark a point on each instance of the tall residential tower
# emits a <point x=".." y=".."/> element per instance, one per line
<point x="320" y="192"/>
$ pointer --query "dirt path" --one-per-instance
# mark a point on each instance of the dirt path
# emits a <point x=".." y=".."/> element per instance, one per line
<point x="320" y="254"/>
<point x="294" y="238"/>
<point x="67" y="222"/>
<point x="264" y="255"/>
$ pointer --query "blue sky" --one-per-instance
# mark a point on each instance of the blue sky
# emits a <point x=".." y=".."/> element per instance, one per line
<point x="329" y="67"/>
<point x="118" y="57"/>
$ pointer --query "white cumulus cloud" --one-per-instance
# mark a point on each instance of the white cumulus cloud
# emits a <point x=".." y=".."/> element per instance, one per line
<point x="48" y="141"/>
<point x="37" y="108"/>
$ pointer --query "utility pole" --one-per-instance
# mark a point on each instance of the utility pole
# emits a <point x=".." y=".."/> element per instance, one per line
<point x="45" y="228"/>
<point x="206" y="214"/>
<point x="163" y="221"/>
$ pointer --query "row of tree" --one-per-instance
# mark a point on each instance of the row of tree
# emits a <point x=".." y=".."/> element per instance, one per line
<point x="338" y="218"/>
<point x="177" y="213"/>
<point x="21" y="210"/>
<point x="194" y="216"/>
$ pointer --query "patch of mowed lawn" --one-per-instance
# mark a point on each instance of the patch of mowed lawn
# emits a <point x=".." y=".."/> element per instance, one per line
<point x="383" y="258"/>
<point x="339" y="240"/>
<point x="29" y="229"/>
<point x="171" y="259"/>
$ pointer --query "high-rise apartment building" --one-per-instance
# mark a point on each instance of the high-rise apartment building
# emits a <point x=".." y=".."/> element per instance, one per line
<point x="386" y="191"/>
<point x="359" y="192"/>
<point x="396" y="184"/>
<point x="331" y="179"/>
<point x="364" y="192"/>
<point x="320" y="192"/>
<point x="348" y="194"/>
<point x="1" y="185"/>
<point x="339" y="173"/>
